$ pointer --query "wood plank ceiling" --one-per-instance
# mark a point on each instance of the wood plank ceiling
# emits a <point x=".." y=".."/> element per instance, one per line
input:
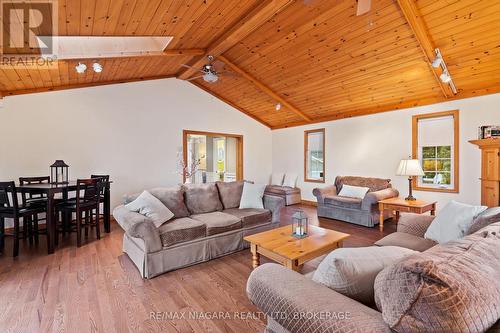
<point x="315" y="57"/>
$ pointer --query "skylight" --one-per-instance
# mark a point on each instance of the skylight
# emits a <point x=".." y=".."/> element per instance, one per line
<point x="81" y="47"/>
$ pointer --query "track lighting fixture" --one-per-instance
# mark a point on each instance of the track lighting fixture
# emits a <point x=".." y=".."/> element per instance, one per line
<point x="445" y="76"/>
<point x="97" y="67"/>
<point x="278" y="106"/>
<point x="81" y="68"/>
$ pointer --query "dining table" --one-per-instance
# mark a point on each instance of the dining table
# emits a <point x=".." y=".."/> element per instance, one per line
<point x="50" y="190"/>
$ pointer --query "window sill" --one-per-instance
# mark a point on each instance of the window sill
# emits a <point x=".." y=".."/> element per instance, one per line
<point x="314" y="180"/>
<point x="435" y="189"/>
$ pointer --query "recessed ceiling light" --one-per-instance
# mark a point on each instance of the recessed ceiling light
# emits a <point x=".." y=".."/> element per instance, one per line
<point x="81" y="68"/>
<point x="278" y="106"/>
<point x="97" y="67"/>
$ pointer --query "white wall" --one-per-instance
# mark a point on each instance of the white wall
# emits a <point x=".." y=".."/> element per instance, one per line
<point x="373" y="146"/>
<point x="131" y="131"/>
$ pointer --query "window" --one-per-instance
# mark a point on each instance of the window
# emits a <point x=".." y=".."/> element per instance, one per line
<point x="216" y="156"/>
<point x="435" y="145"/>
<point x="314" y="156"/>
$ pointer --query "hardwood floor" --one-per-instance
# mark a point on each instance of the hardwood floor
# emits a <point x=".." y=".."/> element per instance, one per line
<point x="96" y="288"/>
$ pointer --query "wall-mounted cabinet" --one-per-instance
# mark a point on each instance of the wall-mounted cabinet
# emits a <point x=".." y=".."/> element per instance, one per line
<point x="490" y="171"/>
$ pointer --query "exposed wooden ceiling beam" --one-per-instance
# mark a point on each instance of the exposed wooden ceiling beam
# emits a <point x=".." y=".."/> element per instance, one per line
<point x="254" y="19"/>
<point x="264" y="88"/>
<point x="80" y="85"/>
<point x="230" y="103"/>
<point x="183" y="52"/>
<point x="419" y="28"/>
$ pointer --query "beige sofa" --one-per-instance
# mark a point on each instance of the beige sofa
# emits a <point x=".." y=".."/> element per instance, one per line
<point x="207" y="224"/>
<point x="451" y="287"/>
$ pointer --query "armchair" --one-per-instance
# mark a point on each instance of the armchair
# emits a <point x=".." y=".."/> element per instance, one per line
<point x="358" y="211"/>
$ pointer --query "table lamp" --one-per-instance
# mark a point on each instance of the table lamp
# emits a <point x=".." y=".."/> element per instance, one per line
<point x="410" y="168"/>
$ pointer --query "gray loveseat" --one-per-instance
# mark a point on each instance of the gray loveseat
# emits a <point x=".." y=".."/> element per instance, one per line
<point x="450" y="287"/>
<point x="358" y="211"/>
<point x="207" y="224"/>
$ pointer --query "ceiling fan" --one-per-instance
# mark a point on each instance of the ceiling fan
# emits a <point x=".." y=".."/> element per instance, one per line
<point x="211" y="71"/>
<point x="364" y="6"/>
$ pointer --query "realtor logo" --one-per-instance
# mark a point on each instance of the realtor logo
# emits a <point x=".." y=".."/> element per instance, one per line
<point x="27" y="30"/>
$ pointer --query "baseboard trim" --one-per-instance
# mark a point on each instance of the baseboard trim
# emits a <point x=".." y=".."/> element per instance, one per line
<point x="309" y="203"/>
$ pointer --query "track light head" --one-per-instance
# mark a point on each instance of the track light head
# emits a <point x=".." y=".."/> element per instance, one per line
<point x="445" y="77"/>
<point x="80" y="68"/>
<point x="97" y="67"/>
<point x="437" y="62"/>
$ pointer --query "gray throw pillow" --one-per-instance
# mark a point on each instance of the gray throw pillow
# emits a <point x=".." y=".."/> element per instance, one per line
<point x="352" y="271"/>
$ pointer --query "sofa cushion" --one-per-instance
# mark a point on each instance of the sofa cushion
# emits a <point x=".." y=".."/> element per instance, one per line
<point x="406" y="240"/>
<point x="352" y="271"/>
<point x="281" y="190"/>
<point x="181" y="230"/>
<point x="489" y="216"/>
<point x="374" y="184"/>
<point x="345" y="202"/>
<point x="230" y="193"/>
<point x="250" y="216"/>
<point x="172" y="197"/>
<point x="453" y="287"/>
<point x="202" y="198"/>
<point x="218" y="222"/>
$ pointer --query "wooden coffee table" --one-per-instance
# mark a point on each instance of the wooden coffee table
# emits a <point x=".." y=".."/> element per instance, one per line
<point x="402" y="205"/>
<point x="279" y="245"/>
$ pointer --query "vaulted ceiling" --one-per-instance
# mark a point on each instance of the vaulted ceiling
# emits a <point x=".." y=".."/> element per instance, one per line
<point x="315" y="57"/>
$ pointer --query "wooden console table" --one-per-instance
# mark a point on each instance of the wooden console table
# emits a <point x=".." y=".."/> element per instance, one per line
<point x="402" y="205"/>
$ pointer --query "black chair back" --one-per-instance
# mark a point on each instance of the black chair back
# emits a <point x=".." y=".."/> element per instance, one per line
<point x="27" y="197"/>
<point x="91" y="189"/>
<point x="104" y="180"/>
<point x="8" y="198"/>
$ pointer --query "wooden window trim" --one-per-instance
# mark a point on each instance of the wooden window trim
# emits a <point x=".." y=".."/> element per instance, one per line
<point x="239" y="149"/>
<point x="456" y="148"/>
<point x="306" y="143"/>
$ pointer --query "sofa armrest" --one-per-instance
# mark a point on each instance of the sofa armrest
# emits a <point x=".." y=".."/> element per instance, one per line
<point x="138" y="226"/>
<point x="274" y="204"/>
<point x="301" y="305"/>
<point x="321" y="193"/>
<point x="372" y="198"/>
<point x="414" y="224"/>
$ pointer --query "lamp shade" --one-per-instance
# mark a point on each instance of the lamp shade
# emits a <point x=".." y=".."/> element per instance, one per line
<point x="410" y="168"/>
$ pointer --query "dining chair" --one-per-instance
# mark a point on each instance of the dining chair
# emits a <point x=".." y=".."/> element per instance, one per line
<point x="105" y="181"/>
<point x="38" y="200"/>
<point x="10" y="208"/>
<point x="86" y="201"/>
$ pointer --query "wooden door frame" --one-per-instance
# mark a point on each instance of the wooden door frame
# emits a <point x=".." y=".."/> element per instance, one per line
<point x="239" y="148"/>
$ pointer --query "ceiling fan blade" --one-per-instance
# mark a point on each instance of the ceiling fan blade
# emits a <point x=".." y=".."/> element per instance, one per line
<point x="364" y="7"/>
<point x="229" y="73"/>
<point x="219" y="66"/>
<point x="195" y="78"/>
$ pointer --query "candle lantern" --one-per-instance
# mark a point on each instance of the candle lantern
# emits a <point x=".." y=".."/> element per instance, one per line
<point x="59" y="172"/>
<point x="300" y="224"/>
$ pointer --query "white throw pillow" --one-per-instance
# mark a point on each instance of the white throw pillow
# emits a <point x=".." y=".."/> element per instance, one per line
<point x="277" y="178"/>
<point x="353" y="191"/>
<point x="290" y="180"/>
<point x="252" y="196"/>
<point x="148" y="205"/>
<point x="453" y="222"/>
<point x="352" y="271"/>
